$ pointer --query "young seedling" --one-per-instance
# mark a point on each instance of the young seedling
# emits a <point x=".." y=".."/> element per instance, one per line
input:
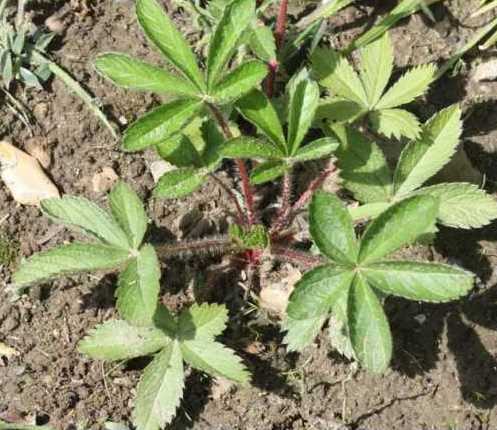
<point x="358" y="274"/>
<point x="146" y="327"/>
<point x="356" y="95"/>
<point x="367" y="175"/>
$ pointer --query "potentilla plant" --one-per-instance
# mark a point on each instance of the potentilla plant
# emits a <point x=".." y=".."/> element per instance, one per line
<point x="205" y="123"/>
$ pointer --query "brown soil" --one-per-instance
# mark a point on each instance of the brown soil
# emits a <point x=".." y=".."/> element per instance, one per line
<point x="444" y="372"/>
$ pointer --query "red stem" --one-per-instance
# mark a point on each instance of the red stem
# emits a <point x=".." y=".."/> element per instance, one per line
<point x="286" y="194"/>
<point x="273" y="69"/>
<point x="303" y="259"/>
<point x="239" y="212"/>
<point x="311" y="189"/>
<point x="248" y="193"/>
<point x="217" y="245"/>
<point x="279" y="32"/>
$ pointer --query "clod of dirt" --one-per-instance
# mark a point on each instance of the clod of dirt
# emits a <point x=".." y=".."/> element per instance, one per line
<point x="24" y="176"/>
<point x="486" y="71"/>
<point x="220" y="387"/>
<point x="104" y="180"/>
<point x="37" y="147"/>
<point x="55" y="24"/>
<point x="274" y="296"/>
<point x="158" y="168"/>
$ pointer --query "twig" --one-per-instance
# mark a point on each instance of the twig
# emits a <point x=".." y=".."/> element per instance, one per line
<point x="76" y="87"/>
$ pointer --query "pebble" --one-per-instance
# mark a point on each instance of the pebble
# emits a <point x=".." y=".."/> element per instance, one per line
<point x="104" y="180"/>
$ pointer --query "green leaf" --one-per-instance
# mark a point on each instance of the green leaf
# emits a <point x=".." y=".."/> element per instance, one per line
<point x="160" y="389"/>
<point x="128" y="211"/>
<point x="363" y="167"/>
<point x="179" y="183"/>
<point x="119" y="340"/>
<point x="249" y="238"/>
<point x="410" y="86"/>
<point x="395" y="123"/>
<point x="401" y="224"/>
<point x="202" y="322"/>
<point x="268" y="171"/>
<point x="317" y="290"/>
<point x="127" y="72"/>
<point x="157" y="125"/>
<point x="321" y="148"/>
<point x="334" y="72"/>
<point x="338" y="325"/>
<point x="160" y="29"/>
<point x="179" y="151"/>
<point x="87" y="216"/>
<point x="236" y="18"/>
<point x="252" y="148"/>
<point x="336" y="109"/>
<point x="214" y="359"/>
<point x="262" y="43"/>
<point x="422" y="159"/>
<point x="257" y="108"/>
<point x="463" y="205"/>
<point x="427" y="282"/>
<point x="138" y="288"/>
<point x="68" y="259"/>
<point x="303" y="102"/>
<point x="301" y="333"/>
<point x="240" y="81"/>
<point x="369" y="330"/>
<point x="376" y="68"/>
<point x="214" y="139"/>
<point x="331" y="228"/>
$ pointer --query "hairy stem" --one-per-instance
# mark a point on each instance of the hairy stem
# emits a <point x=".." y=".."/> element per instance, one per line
<point x="299" y="258"/>
<point x="231" y="195"/>
<point x="286" y="195"/>
<point x="279" y="32"/>
<point x="248" y="193"/>
<point x="273" y="69"/>
<point x="312" y="188"/>
<point x="211" y="246"/>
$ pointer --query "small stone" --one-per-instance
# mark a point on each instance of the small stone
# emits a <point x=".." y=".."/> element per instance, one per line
<point x="274" y="297"/>
<point x="24" y="177"/>
<point x="38" y="148"/>
<point x="104" y="180"/>
<point x="220" y="387"/>
<point x="420" y="319"/>
<point x="486" y="71"/>
<point x="55" y="24"/>
<point x="40" y="111"/>
<point x="158" y="168"/>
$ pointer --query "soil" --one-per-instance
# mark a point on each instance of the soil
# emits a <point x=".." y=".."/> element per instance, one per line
<point x="444" y="371"/>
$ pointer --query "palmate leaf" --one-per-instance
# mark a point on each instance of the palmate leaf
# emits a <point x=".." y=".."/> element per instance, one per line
<point x="401" y="224"/>
<point x="138" y="288"/>
<point x="160" y="29"/>
<point x="237" y="16"/>
<point x="462" y="205"/>
<point x="69" y="259"/>
<point x="331" y="228"/>
<point x="376" y="68"/>
<point x="304" y="100"/>
<point x="119" y="340"/>
<point x="240" y="81"/>
<point x="363" y="167"/>
<point x="316" y="292"/>
<point x="369" y="329"/>
<point x="426" y="282"/>
<point x="159" y="124"/>
<point x="411" y="85"/>
<point x="127" y="72"/>
<point x="179" y="183"/>
<point x="252" y="148"/>
<point x="262" y="42"/>
<point x="320" y="148"/>
<point x="267" y="171"/>
<point x="257" y="108"/>
<point x="338" y="325"/>
<point x="87" y="216"/>
<point x="338" y="110"/>
<point x="214" y="359"/>
<point x="160" y="389"/>
<point x="301" y="333"/>
<point x="395" y="123"/>
<point x="333" y="71"/>
<point x="422" y="159"/>
<point x="179" y="151"/>
<point x="202" y="322"/>
<point x="128" y="211"/>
